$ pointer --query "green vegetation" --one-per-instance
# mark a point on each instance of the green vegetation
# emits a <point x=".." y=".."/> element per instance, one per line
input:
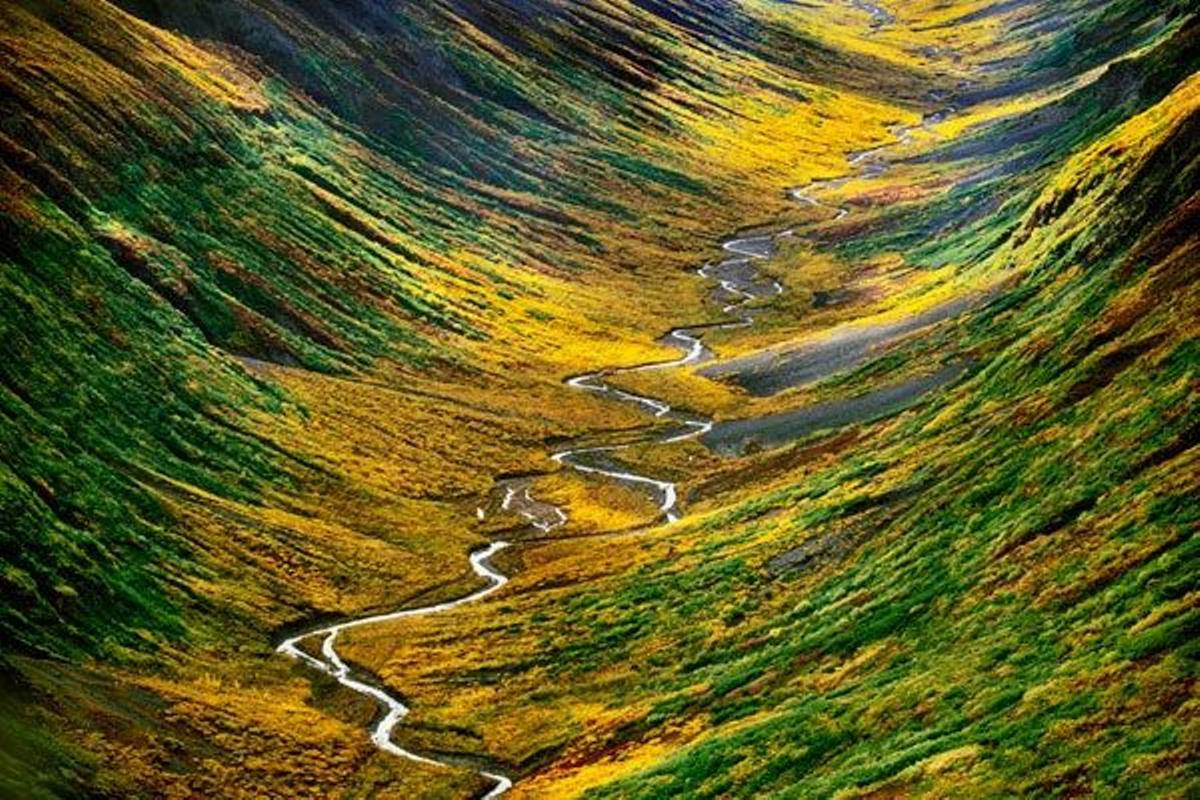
<point x="285" y="287"/>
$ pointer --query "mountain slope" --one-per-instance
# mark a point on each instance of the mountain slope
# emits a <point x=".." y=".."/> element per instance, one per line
<point x="289" y="293"/>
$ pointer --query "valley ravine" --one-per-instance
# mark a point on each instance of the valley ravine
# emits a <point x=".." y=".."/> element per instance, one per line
<point x="743" y="286"/>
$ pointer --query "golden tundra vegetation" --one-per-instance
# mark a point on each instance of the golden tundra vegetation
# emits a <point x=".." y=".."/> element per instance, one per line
<point x="290" y="289"/>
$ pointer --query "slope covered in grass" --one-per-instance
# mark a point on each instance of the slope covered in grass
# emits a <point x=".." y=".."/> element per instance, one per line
<point x="285" y="287"/>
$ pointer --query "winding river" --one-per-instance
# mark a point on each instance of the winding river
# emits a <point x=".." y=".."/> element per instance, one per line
<point x="743" y="285"/>
<point x="742" y="290"/>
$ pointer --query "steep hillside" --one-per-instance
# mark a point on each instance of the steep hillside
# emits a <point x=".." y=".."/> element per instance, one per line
<point x="289" y="294"/>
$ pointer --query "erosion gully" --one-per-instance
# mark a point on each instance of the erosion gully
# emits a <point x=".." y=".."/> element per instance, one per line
<point x="744" y="291"/>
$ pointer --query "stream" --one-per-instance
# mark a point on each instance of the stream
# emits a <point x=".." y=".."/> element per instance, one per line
<point x="742" y="285"/>
<point x="742" y="289"/>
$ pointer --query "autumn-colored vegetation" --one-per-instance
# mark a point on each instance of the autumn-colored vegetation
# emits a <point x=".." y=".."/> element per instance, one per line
<point x="287" y="288"/>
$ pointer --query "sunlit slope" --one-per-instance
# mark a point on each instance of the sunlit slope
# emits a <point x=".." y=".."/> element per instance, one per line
<point x="989" y="595"/>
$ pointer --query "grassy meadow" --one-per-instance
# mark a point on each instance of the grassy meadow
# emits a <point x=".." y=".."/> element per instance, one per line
<point x="287" y="288"/>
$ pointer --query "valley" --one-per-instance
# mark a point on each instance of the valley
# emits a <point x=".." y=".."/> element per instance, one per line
<point x="599" y="399"/>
